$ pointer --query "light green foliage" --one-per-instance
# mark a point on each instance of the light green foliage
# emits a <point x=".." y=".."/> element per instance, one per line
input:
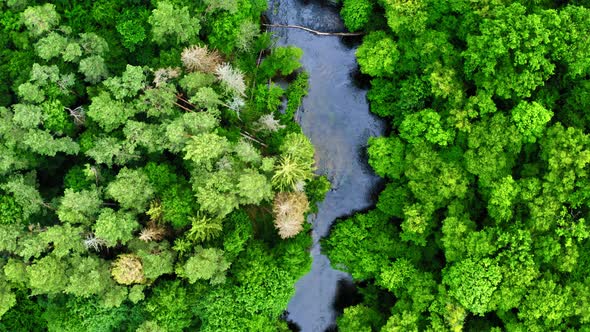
<point x="109" y="113"/>
<point x="64" y="240"/>
<point x="168" y="21"/>
<point x="386" y="156"/>
<point x="248" y="32"/>
<point x="40" y="19"/>
<point x="86" y="245"/>
<point x="378" y="54"/>
<point x="115" y="227"/>
<point x="218" y="195"/>
<point x="358" y="318"/>
<point x="204" y="149"/>
<point x="25" y="193"/>
<point x="93" y="44"/>
<point x="131" y="189"/>
<point x="93" y="68"/>
<point x="31" y="92"/>
<point x="51" y="46"/>
<point x="48" y="275"/>
<point x="247" y="153"/>
<point x="128" y="84"/>
<point x="356" y="13"/>
<point x="229" y="5"/>
<point x="406" y="16"/>
<point x="192" y="82"/>
<point x="254" y="187"/>
<point x="283" y="60"/>
<point x="425" y="125"/>
<point x="109" y="150"/>
<point x="136" y="294"/>
<point x="289" y="172"/>
<point x="89" y="276"/>
<point x="298" y="146"/>
<point x="42" y="142"/>
<point x="7" y="298"/>
<point x="204" y="228"/>
<point x="502" y="61"/>
<point x="79" y="207"/>
<point x="72" y="52"/>
<point x="8" y="236"/>
<point x="206" y="98"/>
<point x="502" y="199"/>
<point x="296" y="163"/>
<point x="55" y="118"/>
<point x="208" y="264"/>
<point x="473" y="283"/>
<point x="156" y="257"/>
<point x="531" y="119"/>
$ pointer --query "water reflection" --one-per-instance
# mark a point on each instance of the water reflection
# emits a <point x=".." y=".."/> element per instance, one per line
<point x="336" y="117"/>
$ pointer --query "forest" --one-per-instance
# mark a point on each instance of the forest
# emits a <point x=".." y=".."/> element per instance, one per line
<point x="482" y="224"/>
<point x="152" y="177"/>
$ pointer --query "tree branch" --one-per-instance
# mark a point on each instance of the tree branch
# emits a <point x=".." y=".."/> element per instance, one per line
<point x="319" y="33"/>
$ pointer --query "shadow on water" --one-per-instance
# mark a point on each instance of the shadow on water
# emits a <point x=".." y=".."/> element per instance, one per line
<point x="336" y="118"/>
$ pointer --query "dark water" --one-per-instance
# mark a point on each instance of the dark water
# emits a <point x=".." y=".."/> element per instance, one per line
<point x="335" y="116"/>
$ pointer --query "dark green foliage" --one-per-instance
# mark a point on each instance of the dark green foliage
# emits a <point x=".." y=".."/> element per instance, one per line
<point x="283" y="61"/>
<point x="482" y="225"/>
<point x="169" y="306"/>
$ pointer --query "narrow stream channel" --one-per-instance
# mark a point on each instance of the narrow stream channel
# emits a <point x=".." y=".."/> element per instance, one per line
<point x="335" y="116"/>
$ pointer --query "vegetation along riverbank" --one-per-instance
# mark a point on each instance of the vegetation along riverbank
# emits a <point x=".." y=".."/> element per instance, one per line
<point x="152" y="177"/>
<point x="482" y="225"/>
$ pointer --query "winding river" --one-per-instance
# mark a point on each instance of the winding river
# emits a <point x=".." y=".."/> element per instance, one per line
<point x="335" y="116"/>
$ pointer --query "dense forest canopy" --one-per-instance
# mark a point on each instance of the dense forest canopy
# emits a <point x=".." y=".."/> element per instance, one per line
<point x="482" y="224"/>
<point x="151" y="175"/>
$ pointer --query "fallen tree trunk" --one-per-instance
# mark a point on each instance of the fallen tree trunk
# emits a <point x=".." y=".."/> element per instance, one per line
<point x="319" y="33"/>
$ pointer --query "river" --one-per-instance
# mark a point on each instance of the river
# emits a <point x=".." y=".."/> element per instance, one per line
<point x="335" y="116"/>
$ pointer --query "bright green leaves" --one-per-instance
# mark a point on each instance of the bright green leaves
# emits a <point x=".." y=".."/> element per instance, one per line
<point x="510" y="55"/>
<point x="283" y="60"/>
<point x="51" y="46"/>
<point x="358" y="318"/>
<point x="46" y="275"/>
<point x="168" y="21"/>
<point x="386" y="156"/>
<point x="473" y="283"/>
<point x="502" y="199"/>
<point x="10" y="211"/>
<point x="296" y="163"/>
<point x="109" y="113"/>
<point x="25" y="193"/>
<point x="406" y="16"/>
<point x="131" y="189"/>
<point x="128" y="84"/>
<point x="204" y="149"/>
<point x="530" y="120"/>
<point x="208" y="264"/>
<point x="378" y="55"/>
<point x="204" y="228"/>
<point x="115" y="227"/>
<point x="254" y="187"/>
<point x="356" y="13"/>
<point x="425" y="124"/>
<point x="89" y="276"/>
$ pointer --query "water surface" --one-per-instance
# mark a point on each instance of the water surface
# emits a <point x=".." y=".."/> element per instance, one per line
<point x="335" y="116"/>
